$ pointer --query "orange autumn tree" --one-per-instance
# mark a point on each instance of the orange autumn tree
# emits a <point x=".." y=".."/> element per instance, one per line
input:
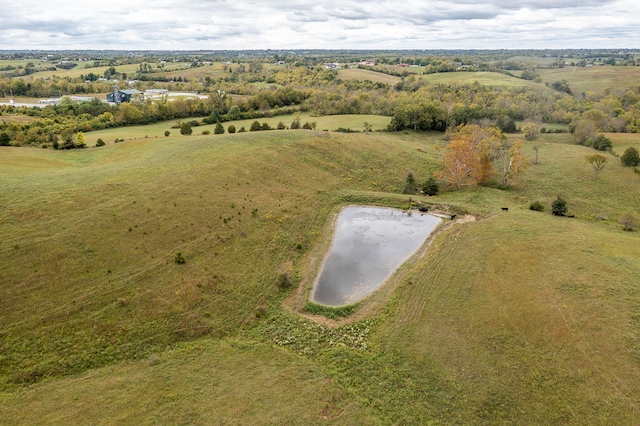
<point x="476" y="154"/>
<point x="467" y="160"/>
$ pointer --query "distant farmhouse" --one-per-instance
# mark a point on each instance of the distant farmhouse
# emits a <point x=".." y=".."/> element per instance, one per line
<point x="118" y="96"/>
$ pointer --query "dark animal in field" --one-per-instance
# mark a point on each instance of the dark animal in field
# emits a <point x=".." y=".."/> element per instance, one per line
<point x="505" y="208"/>
<point x="423" y="209"/>
<point x="453" y="216"/>
<point x="571" y="215"/>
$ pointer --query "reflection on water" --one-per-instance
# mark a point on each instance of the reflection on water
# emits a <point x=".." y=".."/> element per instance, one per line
<point x="369" y="244"/>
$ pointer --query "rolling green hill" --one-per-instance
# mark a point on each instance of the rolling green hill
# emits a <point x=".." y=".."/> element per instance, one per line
<point x="514" y="317"/>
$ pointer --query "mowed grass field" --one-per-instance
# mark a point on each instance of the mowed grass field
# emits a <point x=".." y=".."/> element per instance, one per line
<point x="516" y="317"/>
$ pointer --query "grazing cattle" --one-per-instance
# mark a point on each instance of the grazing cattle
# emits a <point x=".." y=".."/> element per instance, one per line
<point x="571" y="215"/>
<point x="505" y="208"/>
<point x="423" y="209"/>
<point x="453" y="216"/>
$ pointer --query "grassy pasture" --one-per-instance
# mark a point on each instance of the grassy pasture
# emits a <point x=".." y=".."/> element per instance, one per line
<point x="536" y="61"/>
<point x="592" y="79"/>
<point x="360" y="74"/>
<point x="214" y="382"/>
<point x="93" y="234"/>
<point x="84" y="68"/>
<point x="76" y="71"/>
<point x="329" y="122"/>
<point x="214" y="70"/>
<point x="518" y="317"/>
<point x="17" y="62"/>
<point x="492" y="79"/>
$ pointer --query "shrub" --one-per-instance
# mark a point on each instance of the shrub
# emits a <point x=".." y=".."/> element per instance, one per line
<point x="536" y="206"/>
<point x="206" y="132"/>
<point x="280" y="126"/>
<point x="284" y="280"/>
<point x="631" y="157"/>
<point x="219" y="129"/>
<point x="265" y="126"/>
<point x="559" y="207"/>
<point x="506" y="124"/>
<point x="306" y="125"/>
<point x="231" y="128"/>
<point x="255" y="126"/>
<point x="628" y="223"/>
<point x="100" y="142"/>
<point x="185" y="129"/>
<point x="167" y="133"/>
<point x="531" y="130"/>
<point x="179" y="258"/>
<point x="602" y="143"/>
<point x="410" y="186"/>
<point x="431" y="187"/>
<point x="5" y="139"/>
<point x="241" y="130"/>
<point x="68" y="144"/>
<point x="295" y="124"/>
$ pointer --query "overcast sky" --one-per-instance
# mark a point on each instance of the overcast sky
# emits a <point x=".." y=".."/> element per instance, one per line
<point x="303" y="24"/>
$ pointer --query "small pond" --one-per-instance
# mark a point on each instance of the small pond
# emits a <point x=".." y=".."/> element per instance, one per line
<point x="369" y="244"/>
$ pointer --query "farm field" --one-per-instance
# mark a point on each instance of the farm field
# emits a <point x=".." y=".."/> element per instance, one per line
<point x="492" y="79"/>
<point x="84" y="68"/>
<point x="330" y="122"/>
<point x="509" y="317"/>
<point x="360" y="74"/>
<point x="536" y="61"/>
<point x="592" y="79"/>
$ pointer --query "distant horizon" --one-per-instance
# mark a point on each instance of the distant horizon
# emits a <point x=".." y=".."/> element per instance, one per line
<point x="195" y="25"/>
<point x="567" y="49"/>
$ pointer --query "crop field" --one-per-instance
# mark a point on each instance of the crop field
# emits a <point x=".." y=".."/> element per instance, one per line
<point x="509" y="317"/>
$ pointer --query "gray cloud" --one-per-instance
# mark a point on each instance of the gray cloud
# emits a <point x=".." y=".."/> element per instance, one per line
<point x="221" y="24"/>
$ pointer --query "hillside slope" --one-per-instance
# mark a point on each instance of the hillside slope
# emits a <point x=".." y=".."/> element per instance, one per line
<point x="516" y="317"/>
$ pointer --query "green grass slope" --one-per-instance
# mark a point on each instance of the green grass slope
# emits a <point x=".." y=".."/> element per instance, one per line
<point x="517" y="317"/>
<point x="89" y="238"/>
<point x="206" y="383"/>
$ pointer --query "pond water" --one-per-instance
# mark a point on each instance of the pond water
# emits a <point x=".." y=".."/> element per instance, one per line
<point x="369" y="244"/>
